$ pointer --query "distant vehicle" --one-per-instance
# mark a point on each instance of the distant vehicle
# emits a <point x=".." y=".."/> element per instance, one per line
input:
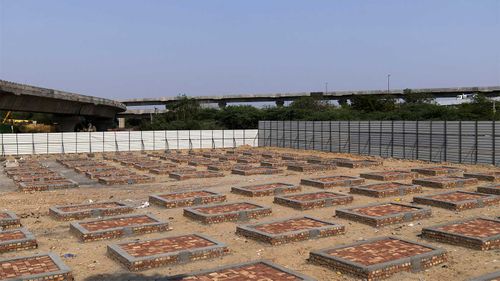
<point x="465" y="96"/>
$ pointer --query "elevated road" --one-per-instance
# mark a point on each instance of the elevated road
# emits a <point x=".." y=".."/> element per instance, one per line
<point x="68" y="108"/>
<point x="280" y="98"/>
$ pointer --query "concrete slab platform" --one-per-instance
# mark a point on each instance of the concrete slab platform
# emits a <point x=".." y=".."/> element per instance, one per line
<point x="312" y="200"/>
<point x="91" y="210"/>
<point x="439" y="171"/>
<point x="267" y="189"/>
<point x="46" y="185"/>
<point x="386" y="189"/>
<point x="445" y="182"/>
<point x="475" y="233"/>
<point x="383" y="214"/>
<point x="17" y="240"/>
<point x="332" y="181"/>
<point x="195" y="175"/>
<point x="186" y="198"/>
<point x="379" y="258"/>
<point x="282" y="231"/>
<point x="390" y="175"/>
<point x="33" y="268"/>
<point x="308" y="167"/>
<point x="252" y="170"/>
<point x="358" y="163"/>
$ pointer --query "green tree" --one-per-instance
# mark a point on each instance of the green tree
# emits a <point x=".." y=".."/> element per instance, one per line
<point x="410" y="97"/>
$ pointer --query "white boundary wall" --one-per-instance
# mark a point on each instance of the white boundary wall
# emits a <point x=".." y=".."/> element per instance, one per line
<point x="47" y="143"/>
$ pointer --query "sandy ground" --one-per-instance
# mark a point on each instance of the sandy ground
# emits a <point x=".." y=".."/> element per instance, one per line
<point x="92" y="263"/>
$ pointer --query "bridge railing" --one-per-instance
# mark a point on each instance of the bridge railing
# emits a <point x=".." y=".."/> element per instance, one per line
<point x="471" y="142"/>
<point x="81" y="142"/>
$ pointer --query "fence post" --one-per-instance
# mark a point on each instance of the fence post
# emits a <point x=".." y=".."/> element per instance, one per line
<point x="359" y="137"/>
<point x="369" y="137"/>
<point x="314" y="135"/>
<point x="417" y="140"/>
<point x="32" y="143"/>
<point x="297" y="137"/>
<point x="445" y="141"/>
<point x="47" y="143"/>
<point x="154" y="142"/>
<point x="3" y="149"/>
<point x="380" y="140"/>
<point x="460" y="141"/>
<point x="430" y="141"/>
<point x="340" y="136"/>
<point x="475" y="143"/>
<point x="330" y="130"/>
<point x="90" y="143"/>
<point x="17" y="144"/>
<point x="128" y="140"/>
<point x="349" y="136"/>
<point x="103" y="137"/>
<point x="493" y="143"/>
<point x="392" y="138"/>
<point x="404" y="139"/>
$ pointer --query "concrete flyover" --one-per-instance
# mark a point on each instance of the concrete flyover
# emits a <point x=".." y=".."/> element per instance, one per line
<point x="280" y="98"/>
<point x="68" y="108"/>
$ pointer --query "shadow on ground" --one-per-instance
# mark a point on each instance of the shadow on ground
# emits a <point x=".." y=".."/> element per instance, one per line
<point x="132" y="277"/>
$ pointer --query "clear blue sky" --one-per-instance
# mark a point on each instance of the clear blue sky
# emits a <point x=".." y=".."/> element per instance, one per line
<point x="124" y="49"/>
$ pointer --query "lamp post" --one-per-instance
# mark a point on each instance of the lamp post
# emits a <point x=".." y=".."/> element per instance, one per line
<point x="388" y="83"/>
<point x="326" y="88"/>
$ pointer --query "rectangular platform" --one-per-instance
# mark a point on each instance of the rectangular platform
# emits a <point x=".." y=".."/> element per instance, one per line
<point x="458" y="200"/>
<point x="386" y="189"/>
<point x="490" y="189"/>
<point x="141" y="255"/>
<point x="252" y="170"/>
<point x="332" y="181"/>
<point x="46" y="185"/>
<point x="445" y="182"/>
<point x="195" y="175"/>
<point x="17" y="240"/>
<point x="475" y="233"/>
<point x="390" y="175"/>
<point x="186" y="198"/>
<point x="126" y="179"/>
<point x="379" y="258"/>
<point x="115" y="172"/>
<point x="266" y="189"/>
<point x="165" y="170"/>
<point x="116" y="227"/>
<point x="233" y="211"/>
<point x="358" y="163"/>
<point x="254" y="270"/>
<point x="308" y="167"/>
<point x="9" y="220"/>
<point x="383" y="214"/>
<point x="34" y="268"/>
<point x="312" y="200"/>
<point x="439" y="171"/>
<point x="282" y="231"/>
<point x="484" y="176"/>
<point x="221" y="166"/>
<point x="83" y="211"/>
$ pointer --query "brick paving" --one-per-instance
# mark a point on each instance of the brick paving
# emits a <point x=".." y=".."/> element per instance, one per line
<point x="140" y="255"/>
<point x="195" y="175"/>
<point x="379" y="258"/>
<point x="490" y="189"/>
<point x="445" y="182"/>
<point x="283" y="231"/>
<point x="251" y="271"/>
<point x="332" y="181"/>
<point x="82" y="211"/>
<point x="17" y="240"/>
<point x="458" y="200"/>
<point x="386" y="189"/>
<point x="186" y="198"/>
<point x="234" y="211"/>
<point x="476" y="233"/>
<point x="484" y="176"/>
<point x="390" y="175"/>
<point x="438" y="171"/>
<point x="9" y="220"/>
<point x="307" y="201"/>
<point x="34" y="268"/>
<point x="266" y="189"/>
<point x="115" y="227"/>
<point x="383" y="214"/>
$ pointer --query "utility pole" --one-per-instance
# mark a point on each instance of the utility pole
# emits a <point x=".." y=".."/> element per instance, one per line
<point x="326" y="88"/>
<point x="388" y="83"/>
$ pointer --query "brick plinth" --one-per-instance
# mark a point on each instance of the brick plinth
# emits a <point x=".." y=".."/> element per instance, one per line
<point x="458" y="200"/>
<point x="248" y="160"/>
<point x="379" y="258"/>
<point x="234" y="211"/>
<point x="126" y="179"/>
<point x="490" y="189"/>
<point x="390" y="175"/>
<point x="255" y="270"/>
<point x="284" y="231"/>
<point x="386" y="189"/>
<point x="9" y="220"/>
<point x="116" y="227"/>
<point x="252" y="170"/>
<point x="35" y="268"/>
<point x="107" y="173"/>
<point x="358" y="163"/>
<point x="186" y="198"/>
<point x="141" y="255"/>
<point x="308" y="167"/>
<point x="445" y="182"/>
<point x="17" y="240"/>
<point x="195" y="175"/>
<point x="165" y="170"/>
<point x="382" y="214"/>
<point x="266" y="189"/>
<point x="484" y="176"/>
<point x="476" y="233"/>
<point x="47" y="185"/>
<point x="83" y="211"/>
<point x="439" y="171"/>
<point x="307" y="201"/>
<point x="222" y="166"/>
<point x="332" y="181"/>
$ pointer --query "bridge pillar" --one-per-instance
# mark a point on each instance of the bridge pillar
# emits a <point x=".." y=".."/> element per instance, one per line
<point x="222" y="104"/>
<point x="103" y="124"/>
<point x="66" y="123"/>
<point x="280" y="103"/>
<point x="121" y="123"/>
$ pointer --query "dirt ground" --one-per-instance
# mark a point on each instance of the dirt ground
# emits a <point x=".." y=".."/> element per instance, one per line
<point x="92" y="263"/>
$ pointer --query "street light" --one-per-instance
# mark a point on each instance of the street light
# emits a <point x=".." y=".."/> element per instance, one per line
<point x="326" y="88"/>
<point x="388" y="83"/>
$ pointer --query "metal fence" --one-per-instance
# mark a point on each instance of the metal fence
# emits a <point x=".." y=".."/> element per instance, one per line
<point x="470" y="142"/>
<point x="45" y="143"/>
